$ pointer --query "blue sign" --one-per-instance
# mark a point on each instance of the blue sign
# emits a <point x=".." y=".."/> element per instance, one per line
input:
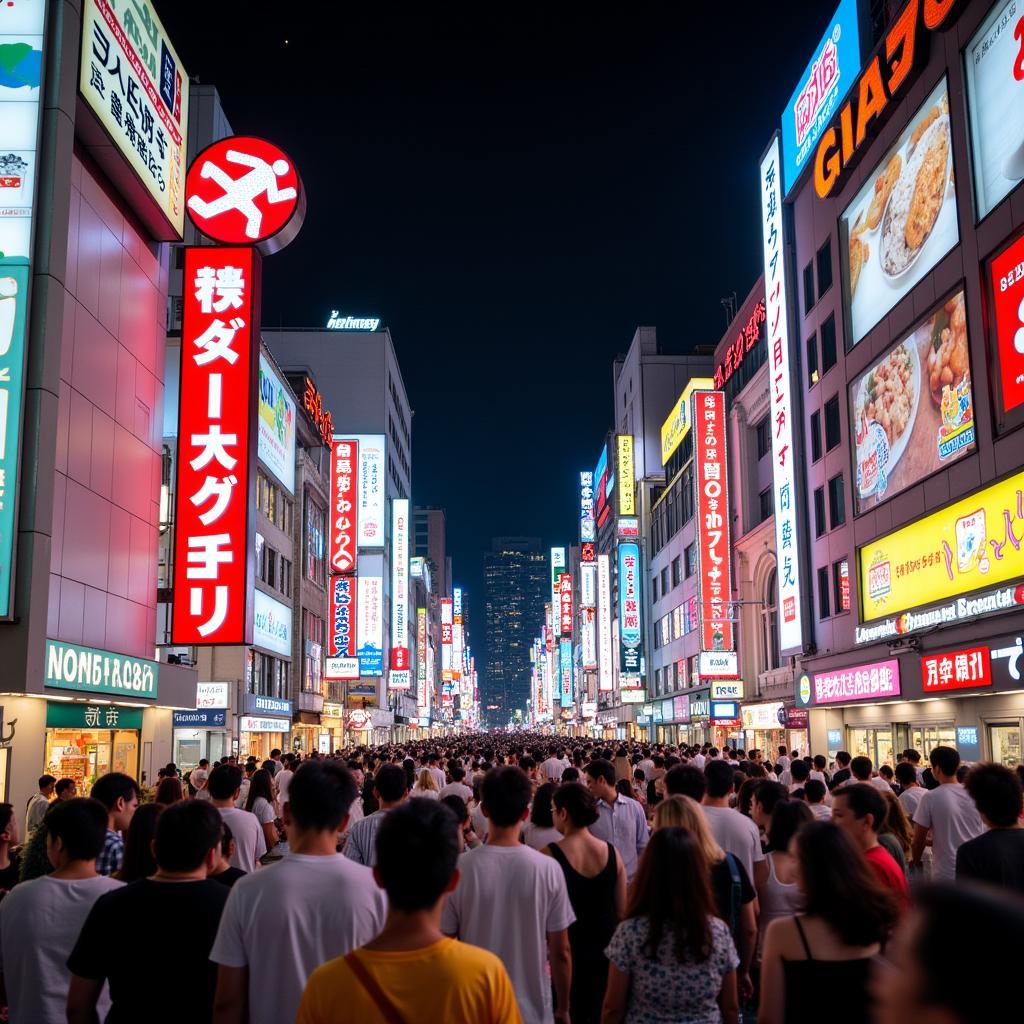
<point x="199" y="719"/>
<point x="371" y="660"/>
<point x="822" y="86"/>
<point x="968" y="742"/>
<point x="728" y="709"/>
<point x="565" y="688"/>
<point x="258" y="704"/>
<point x="835" y="739"/>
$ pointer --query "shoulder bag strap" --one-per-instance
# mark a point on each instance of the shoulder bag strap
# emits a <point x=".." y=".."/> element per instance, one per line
<point x="373" y="990"/>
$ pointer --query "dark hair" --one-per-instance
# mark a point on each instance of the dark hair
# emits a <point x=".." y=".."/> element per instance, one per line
<point x="862" y="798"/>
<point x="788" y="818"/>
<point x="226" y="837"/>
<point x="997" y="793"/>
<point x="81" y="824"/>
<point x="571" y="774"/>
<point x="672" y="890"/>
<point x="457" y="772"/>
<point x="946" y="759"/>
<point x="423" y="833"/>
<point x="169" y="792"/>
<point x="506" y="795"/>
<point x="770" y="794"/>
<point x="64" y="785"/>
<point x="815" y="790"/>
<point x="601" y="768"/>
<point x="139" y="861"/>
<point x="113" y="786"/>
<point x="841" y="888"/>
<point x="6" y="813"/>
<point x="800" y="771"/>
<point x="819" y="762"/>
<point x="860" y="767"/>
<point x="261" y="785"/>
<point x="185" y="834"/>
<point x="46" y="780"/>
<point x="457" y="806"/>
<point x="391" y="783"/>
<point x="540" y="814"/>
<point x="321" y="794"/>
<point x="275" y="753"/>
<point x="225" y="781"/>
<point x="842" y="758"/>
<point x="720" y="777"/>
<point x="578" y="802"/>
<point x="686" y="780"/>
<point x="906" y="773"/>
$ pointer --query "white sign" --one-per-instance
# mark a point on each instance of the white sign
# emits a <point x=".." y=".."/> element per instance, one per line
<point x="271" y="625"/>
<point x="212" y="695"/>
<point x="727" y="689"/>
<point x="400" y="583"/>
<point x="781" y="395"/>
<point x="762" y="716"/>
<point x="250" y="723"/>
<point x="588" y="585"/>
<point x="341" y="668"/>
<point x="276" y="426"/>
<point x="400" y="679"/>
<point x="337" y="322"/>
<point x="370" y="615"/>
<point x="588" y="639"/>
<point x="718" y="663"/>
<point x="606" y="680"/>
<point x="371" y="490"/>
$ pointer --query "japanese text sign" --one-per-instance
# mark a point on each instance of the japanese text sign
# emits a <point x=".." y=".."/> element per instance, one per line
<point x="1007" y="279"/>
<point x="605" y="679"/>
<point x="313" y="403"/>
<point x="400" y="584"/>
<point x="565" y="604"/>
<point x="626" y="476"/>
<point x="746" y="338"/>
<point x="341" y="633"/>
<point x="587" y="528"/>
<point x="956" y="670"/>
<point x="630" y="615"/>
<point x="677" y="425"/>
<point x="878" y="681"/>
<point x="344" y="512"/>
<point x="371" y="490"/>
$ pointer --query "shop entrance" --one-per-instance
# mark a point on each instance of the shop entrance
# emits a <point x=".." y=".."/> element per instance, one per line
<point x="85" y="741"/>
<point x="876" y="743"/>
<point x="925" y="738"/>
<point x="1004" y="741"/>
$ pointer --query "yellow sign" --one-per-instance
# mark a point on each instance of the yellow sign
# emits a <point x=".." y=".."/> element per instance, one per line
<point x="975" y="542"/>
<point x="332" y="711"/>
<point x="677" y="426"/>
<point x="627" y="476"/>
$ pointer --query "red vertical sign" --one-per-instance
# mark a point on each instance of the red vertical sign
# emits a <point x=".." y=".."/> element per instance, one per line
<point x="216" y="447"/>
<point x="344" y="512"/>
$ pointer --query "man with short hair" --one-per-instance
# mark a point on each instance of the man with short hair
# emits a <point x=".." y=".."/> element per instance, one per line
<point x="553" y="766"/>
<point x="911" y="789"/>
<point x="782" y="761"/>
<point x="66" y="789"/>
<point x="434" y="767"/>
<point x="842" y="773"/>
<point x="283" y="776"/>
<point x="815" y="792"/>
<point x="411" y="965"/>
<point x="199" y="778"/>
<point x="799" y="772"/>
<point x="457" y="787"/>
<point x="38" y="803"/>
<point x="913" y="758"/>
<point x="119" y="793"/>
<point x="734" y="832"/>
<point x="179" y="904"/>
<point x="622" y="820"/>
<point x="997" y="857"/>
<point x="514" y="902"/>
<point x="949" y="813"/>
<point x="685" y="780"/>
<point x="250" y="842"/>
<point x="390" y="788"/>
<point x="275" y="756"/>
<point x="40" y="919"/>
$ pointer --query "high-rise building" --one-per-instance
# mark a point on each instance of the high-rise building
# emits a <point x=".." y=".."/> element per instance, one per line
<point x="430" y="541"/>
<point x="518" y="582"/>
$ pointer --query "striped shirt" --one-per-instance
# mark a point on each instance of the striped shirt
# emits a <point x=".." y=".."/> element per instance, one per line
<point x="362" y="840"/>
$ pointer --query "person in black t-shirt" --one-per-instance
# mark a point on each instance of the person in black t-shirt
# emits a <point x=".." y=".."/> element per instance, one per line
<point x="223" y="872"/>
<point x="843" y="773"/>
<point x="181" y="902"/>
<point x="997" y="856"/>
<point x="10" y="863"/>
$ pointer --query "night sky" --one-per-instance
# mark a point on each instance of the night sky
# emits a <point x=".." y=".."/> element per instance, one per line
<point x="512" y="190"/>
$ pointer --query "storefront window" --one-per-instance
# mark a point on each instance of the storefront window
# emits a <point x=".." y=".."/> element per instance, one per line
<point x="874" y="743"/>
<point x="925" y="738"/>
<point x="86" y="754"/>
<point x="1004" y="742"/>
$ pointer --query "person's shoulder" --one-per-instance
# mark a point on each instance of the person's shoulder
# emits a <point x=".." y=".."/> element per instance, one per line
<point x="469" y="957"/>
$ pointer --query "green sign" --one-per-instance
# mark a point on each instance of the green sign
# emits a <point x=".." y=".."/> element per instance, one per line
<point x="87" y="670"/>
<point x="92" y="716"/>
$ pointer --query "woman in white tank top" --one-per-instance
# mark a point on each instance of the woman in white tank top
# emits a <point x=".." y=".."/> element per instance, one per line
<point x="779" y="896"/>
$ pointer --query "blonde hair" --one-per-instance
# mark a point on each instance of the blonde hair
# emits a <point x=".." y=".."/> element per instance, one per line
<point x="680" y="811"/>
<point x="426" y="780"/>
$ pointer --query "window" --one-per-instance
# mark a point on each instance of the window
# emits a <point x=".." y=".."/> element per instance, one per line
<point x="677" y="622"/>
<point x="316" y="532"/>
<point x="654" y="588"/>
<point x="819" y="512"/>
<point x="269" y="676"/>
<point x="284" y="577"/>
<point x="657" y="680"/>
<point x="828" y="344"/>
<point x="765" y="504"/>
<point x="764" y="438"/>
<point x="676" y="572"/>
<point x="841" y="585"/>
<point x="691" y="559"/>
<point x="809" y="287"/>
<point x="313" y="634"/>
<point x="769" y="624"/>
<point x="836" y="502"/>
<point x="260" y="561"/>
<point x="824" y="268"/>
<point x="812" y="360"/>
<point x="664" y="581"/>
<point x="823" y="608"/>
<point x="815" y="436"/>
<point x="832" y="434"/>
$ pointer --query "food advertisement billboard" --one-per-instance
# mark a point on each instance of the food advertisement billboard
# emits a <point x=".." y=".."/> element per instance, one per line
<point x="994" y="67"/>
<point x="912" y="412"/>
<point x="1006" y="278"/>
<point x="903" y="221"/>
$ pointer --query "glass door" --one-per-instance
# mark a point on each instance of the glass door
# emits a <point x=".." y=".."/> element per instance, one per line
<point x="1004" y="739"/>
<point x="925" y="738"/>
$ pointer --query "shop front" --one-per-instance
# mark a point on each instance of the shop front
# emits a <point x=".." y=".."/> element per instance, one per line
<point x="265" y="725"/>
<point x="332" y="728"/>
<point x="773" y="724"/>
<point x="85" y="741"/>
<point x="199" y="734"/>
<point x="305" y="735"/>
<point x="698" y="732"/>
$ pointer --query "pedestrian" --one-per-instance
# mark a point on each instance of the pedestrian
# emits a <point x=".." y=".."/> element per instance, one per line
<point x="468" y="839"/>
<point x="66" y="789"/>
<point x="199" y="779"/>
<point x="622" y="820"/>
<point x="250" y="842"/>
<point x="426" y="786"/>
<point x="540" y="829"/>
<point x="514" y="902"/>
<point x="41" y="918"/>
<point x="170" y="792"/>
<point x="595" y="879"/>
<point x="685" y="780"/>
<point x="779" y="894"/>
<point x="411" y="971"/>
<point x="181" y="902"/>
<point x="139" y="861"/>
<point x="842" y="773"/>
<point x="672" y="958"/>
<point x="996" y="856"/>
<point x="283" y="772"/>
<point x="261" y="802"/>
<point x="38" y="803"/>
<point x="847" y="916"/>
<point x="911" y="789"/>
<point x="389" y="790"/>
<point x="734" y="832"/>
<point x="457" y="786"/>
<point x="896" y="833"/>
<point x="816" y="793"/>
<point x="119" y="793"/>
<point x="222" y="871"/>
<point x="10" y="861"/>
<point x="318" y="904"/>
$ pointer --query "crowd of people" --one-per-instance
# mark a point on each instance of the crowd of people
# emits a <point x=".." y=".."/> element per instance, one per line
<point x="518" y="878"/>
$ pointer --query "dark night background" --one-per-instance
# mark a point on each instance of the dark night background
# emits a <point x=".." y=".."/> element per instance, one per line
<point x="512" y="189"/>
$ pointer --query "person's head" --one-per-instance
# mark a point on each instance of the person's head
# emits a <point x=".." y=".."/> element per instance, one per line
<point x="782" y="751"/>
<point x="139" y="861"/>
<point x="945" y="761"/>
<point x="506" y="793"/>
<point x="860" y="768"/>
<point x="799" y="771"/>
<point x="929" y="979"/>
<point x="319" y="797"/>
<point x="225" y="782"/>
<point x="260" y="785"/>
<point x="203" y="763"/>
<point x="814" y="791"/>
<point x="912" y="756"/>
<point x="767" y="797"/>
<point x="819" y="762"/>
<point x="227" y="846"/>
<point x="66" y="789"/>
<point x="788" y="817"/>
<point x="8" y="825"/>
<point x="600" y="778"/>
<point x="457" y="772"/>
<point x="119" y="793"/>
<point x="623" y="787"/>
<point x="680" y="811"/>
<point x="685" y="780"/>
<point x="842" y="759"/>
<point x="860" y="811"/>
<point x="839" y="886"/>
<point x="275" y="754"/>
<point x="997" y="793"/>
<point x="169" y="792"/>
<point x="426" y="781"/>
<point x="573" y="807"/>
<point x="885" y="771"/>
<point x="390" y="784"/>
<point x="188" y="837"/>
<point x="721" y="779"/>
<point x="75" y="830"/>
<point x="423" y="833"/>
<point x="906" y="774"/>
<point x="672" y="890"/>
<point x="46" y="785"/>
<point x="540" y="813"/>
<point x="571" y="774"/>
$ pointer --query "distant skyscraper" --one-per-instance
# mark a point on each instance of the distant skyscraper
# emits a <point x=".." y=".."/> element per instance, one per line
<point x="429" y="541"/>
<point x="518" y="582"/>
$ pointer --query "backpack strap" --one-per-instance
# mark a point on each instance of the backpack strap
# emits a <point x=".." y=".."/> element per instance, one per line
<point x="373" y="990"/>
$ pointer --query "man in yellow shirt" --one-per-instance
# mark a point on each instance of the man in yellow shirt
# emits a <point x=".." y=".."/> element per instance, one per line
<point x="411" y="973"/>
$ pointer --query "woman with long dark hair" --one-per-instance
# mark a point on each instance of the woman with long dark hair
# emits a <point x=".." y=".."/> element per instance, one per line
<point x="779" y="895"/>
<point x="822" y="957"/>
<point x="260" y="801"/>
<point x="671" y="958"/>
<point x="540" y="829"/>
<point x="139" y="861"/>
<point x="169" y="792"/>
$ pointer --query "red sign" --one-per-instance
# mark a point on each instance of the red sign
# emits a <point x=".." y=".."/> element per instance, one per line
<point x="216" y="447"/>
<point x="564" y="604"/>
<point x="245" y="191"/>
<point x="587" y="552"/>
<point x="956" y="670"/>
<point x="1007" y="276"/>
<point x="446" y="632"/>
<point x="343" y="512"/>
<point x="313" y="403"/>
<point x="712" y="485"/>
<point x="341" y="629"/>
<point x="746" y="339"/>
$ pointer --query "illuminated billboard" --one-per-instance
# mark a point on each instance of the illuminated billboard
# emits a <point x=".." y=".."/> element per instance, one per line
<point x="400" y="584"/>
<point x="447" y="660"/>
<point x="343" y="513"/>
<point x="370" y="615"/>
<point x="626" y="474"/>
<point x="342" y="660"/>
<point x="588" y="531"/>
<point x="371" y="490"/>
<point x="630" y="615"/>
<point x="276" y="426"/>
<point x="677" y="425"/>
<point x="1006" y="280"/>
<point x="565" y="689"/>
<point x="606" y="677"/>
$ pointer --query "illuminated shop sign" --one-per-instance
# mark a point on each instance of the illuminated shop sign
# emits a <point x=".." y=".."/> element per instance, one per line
<point x="370" y="615"/>
<point x="588" y="638"/>
<point x="1006" y="278"/>
<point x="342" y="657"/>
<point x="746" y="338"/>
<point x="457" y="604"/>
<point x="587" y="527"/>
<point x="630" y="621"/>
<point x="629" y="527"/>
<point x="564" y="604"/>
<point x="272" y="624"/>
<point x="588" y="585"/>
<point x="371" y="490"/>
<point x="313" y="403"/>
<point x="605" y="678"/>
<point x="212" y="695"/>
<point x="718" y="663"/>
<point x="337" y="322"/>
<point x="446" y="635"/>
<point x="344" y="509"/>
<point x="566" y="696"/>
<point x="421" y="657"/>
<point x="276" y="426"/>
<point x="956" y="670"/>
<point x="677" y="425"/>
<point x="588" y="552"/>
<point x="626" y="473"/>
<point x="400" y="584"/>
<point x="879" y="680"/>
<point x="85" y="669"/>
<point x="727" y="689"/>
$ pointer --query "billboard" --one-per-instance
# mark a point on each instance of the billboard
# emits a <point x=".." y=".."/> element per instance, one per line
<point x="605" y="677"/>
<point x="1006" y="277"/>
<point x="447" y="659"/>
<point x="630" y="616"/>
<point x="272" y="624"/>
<point x="879" y="680"/>
<point x="216" y="448"/>
<point x="588" y="585"/>
<point x="601" y="486"/>
<point x="912" y="411"/>
<point x="588" y="638"/>
<point x="565" y="689"/>
<point x="370" y="615"/>
<point x="421" y="657"/>
<point x="400" y="583"/>
<point x="564" y="604"/>
<point x="588" y="530"/>
<point x="677" y="425"/>
<point x="344" y="511"/>
<point x="370" y="511"/>
<point x="780" y="393"/>
<point x="903" y="221"/>
<point x="995" y="103"/>
<point x="627" y="475"/>
<point x="342" y="656"/>
<point x="276" y="426"/>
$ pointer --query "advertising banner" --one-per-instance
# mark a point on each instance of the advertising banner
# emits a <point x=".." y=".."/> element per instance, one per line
<point x="421" y="657"/>
<point x="564" y="604"/>
<point x="342" y="657"/>
<point x="588" y="530"/>
<point x="627" y="475"/>
<point x="370" y="616"/>
<point x="212" y="695"/>
<point x="344" y="512"/>
<point x="995" y="102"/>
<point x="1006" y="277"/>
<point x="400" y="583"/>
<point x="588" y="638"/>
<point x="588" y="585"/>
<point x="216" y="447"/>
<point x="85" y="669"/>
<point x="903" y="221"/>
<point x="630" y="621"/>
<point x="276" y="426"/>
<point x="956" y="670"/>
<point x="565" y="689"/>
<point x="371" y="490"/>
<point x="447" y="659"/>
<point x="879" y="680"/>
<point x="272" y="624"/>
<point x="912" y="412"/>
<point x="677" y="425"/>
<point x="605" y="678"/>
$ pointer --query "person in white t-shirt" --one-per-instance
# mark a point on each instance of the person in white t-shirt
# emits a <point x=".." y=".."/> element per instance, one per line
<point x="198" y="779"/>
<point x="250" y="841"/>
<point x="261" y="802"/>
<point x="282" y="923"/>
<point x="783" y="761"/>
<point x="553" y="766"/>
<point x="734" y="832"/>
<point x="513" y="901"/>
<point x="282" y="780"/>
<point x="949" y="812"/>
<point x="434" y="767"/>
<point x="40" y="919"/>
<point x="911" y="790"/>
<point x="457" y="787"/>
